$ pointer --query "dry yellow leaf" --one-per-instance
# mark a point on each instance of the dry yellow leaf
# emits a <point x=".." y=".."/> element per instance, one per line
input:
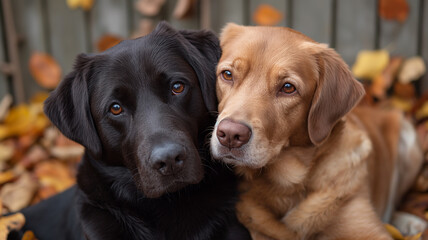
<point x="45" y="70"/>
<point x="394" y="232"/>
<point x="24" y="119"/>
<point x="403" y="104"/>
<point x="84" y="4"/>
<point x="7" y="176"/>
<point x="422" y="112"/>
<point x="369" y="64"/>
<point x="414" y="237"/>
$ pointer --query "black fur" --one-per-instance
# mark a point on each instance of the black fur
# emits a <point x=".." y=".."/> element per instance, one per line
<point x="119" y="195"/>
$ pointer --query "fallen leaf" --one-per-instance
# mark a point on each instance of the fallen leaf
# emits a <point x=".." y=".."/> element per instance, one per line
<point x="422" y="112"/>
<point x="404" y="90"/>
<point x="45" y="70"/>
<point x="403" y="104"/>
<point x="24" y="120"/>
<point x="412" y="69"/>
<point x="9" y="223"/>
<point x="7" y="176"/>
<point x="29" y="235"/>
<point x="34" y="155"/>
<point x="369" y="64"/>
<point x="266" y="15"/>
<point x="383" y="81"/>
<point x="394" y="9"/>
<point x="17" y="195"/>
<point x="393" y="232"/>
<point x="107" y="41"/>
<point x="54" y="174"/>
<point x="6" y="152"/>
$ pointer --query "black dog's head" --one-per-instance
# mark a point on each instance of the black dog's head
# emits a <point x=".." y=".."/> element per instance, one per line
<point x="143" y="104"/>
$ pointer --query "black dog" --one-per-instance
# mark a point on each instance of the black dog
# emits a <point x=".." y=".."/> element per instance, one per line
<point x="142" y="111"/>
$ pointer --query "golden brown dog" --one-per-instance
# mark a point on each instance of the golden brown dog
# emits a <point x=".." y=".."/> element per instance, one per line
<point x="313" y="167"/>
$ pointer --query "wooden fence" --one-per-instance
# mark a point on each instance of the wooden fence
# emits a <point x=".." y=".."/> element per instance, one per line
<point x="347" y="25"/>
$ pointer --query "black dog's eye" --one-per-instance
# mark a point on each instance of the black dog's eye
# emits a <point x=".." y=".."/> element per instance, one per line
<point x="288" y="88"/>
<point x="177" y="88"/>
<point x="116" y="109"/>
<point x="227" y="75"/>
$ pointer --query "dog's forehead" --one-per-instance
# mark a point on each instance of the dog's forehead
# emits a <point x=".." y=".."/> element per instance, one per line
<point x="146" y="59"/>
<point x="275" y="50"/>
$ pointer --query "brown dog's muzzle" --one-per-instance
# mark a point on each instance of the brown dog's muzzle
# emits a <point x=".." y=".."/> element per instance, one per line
<point x="232" y="134"/>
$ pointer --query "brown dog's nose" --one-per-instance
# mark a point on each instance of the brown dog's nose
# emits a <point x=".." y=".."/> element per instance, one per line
<point x="232" y="134"/>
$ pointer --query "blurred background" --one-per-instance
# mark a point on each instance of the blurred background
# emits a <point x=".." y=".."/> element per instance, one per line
<point x="385" y="42"/>
<point x="65" y="28"/>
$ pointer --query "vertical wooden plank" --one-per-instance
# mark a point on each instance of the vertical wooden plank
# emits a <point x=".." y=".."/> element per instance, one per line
<point x="191" y="22"/>
<point x="109" y="17"/>
<point x="278" y="5"/>
<point x="401" y="38"/>
<point x="4" y="87"/>
<point x="67" y="33"/>
<point x="355" y="27"/>
<point x="313" y="18"/>
<point x="424" y="45"/>
<point x="30" y="28"/>
<point x="225" y="11"/>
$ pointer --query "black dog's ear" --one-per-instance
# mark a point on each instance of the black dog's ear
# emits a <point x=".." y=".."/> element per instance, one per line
<point x="68" y="107"/>
<point x="204" y="62"/>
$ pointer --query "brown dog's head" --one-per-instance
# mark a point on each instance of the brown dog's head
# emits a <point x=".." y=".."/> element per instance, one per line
<point x="277" y="88"/>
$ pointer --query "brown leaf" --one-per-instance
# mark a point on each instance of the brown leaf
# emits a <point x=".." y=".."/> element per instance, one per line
<point x="34" y="155"/>
<point x="45" y="70"/>
<point x="405" y="91"/>
<point x="28" y="235"/>
<point x="266" y="15"/>
<point x="54" y="174"/>
<point x="107" y="41"/>
<point x="18" y="195"/>
<point x="394" y="9"/>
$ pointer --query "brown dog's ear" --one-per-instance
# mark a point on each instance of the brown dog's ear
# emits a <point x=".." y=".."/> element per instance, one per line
<point x="68" y="107"/>
<point x="336" y="94"/>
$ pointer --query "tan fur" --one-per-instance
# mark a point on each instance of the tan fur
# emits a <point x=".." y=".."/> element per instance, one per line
<point x="313" y="169"/>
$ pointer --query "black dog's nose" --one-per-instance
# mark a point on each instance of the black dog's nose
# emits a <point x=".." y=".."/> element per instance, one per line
<point x="232" y="134"/>
<point x="168" y="159"/>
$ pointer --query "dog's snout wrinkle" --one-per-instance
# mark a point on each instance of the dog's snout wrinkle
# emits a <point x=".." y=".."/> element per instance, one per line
<point x="168" y="159"/>
<point x="232" y="134"/>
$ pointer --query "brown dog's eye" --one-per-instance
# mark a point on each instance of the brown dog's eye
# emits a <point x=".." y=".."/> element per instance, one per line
<point x="288" y="88"/>
<point x="227" y="75"/>
<point x="177" y="88"/>
<point x="116" y="109"/>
